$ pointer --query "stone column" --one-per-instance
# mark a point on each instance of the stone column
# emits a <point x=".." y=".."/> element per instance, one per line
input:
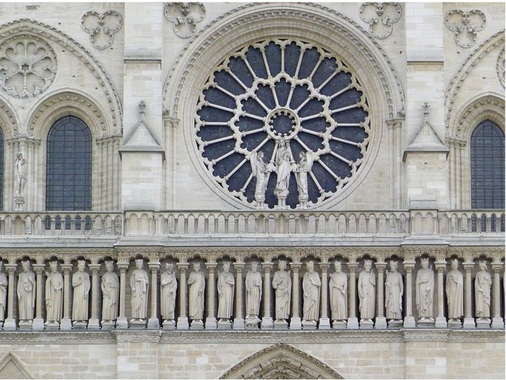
<point x="352" y="293"/>
<point x="468" y="297"/>
<point x="239" y="317"/>
<point x="409" y="320"/>
<point x="66" y="322"/>
<point x="94" y="322"/>
<point x="267" y="322"/>
<point x="211" y="297"/>
<point x="295" y="322"/>
<point x="497" y="321"/>
<point x="440" y="319"/>
<point x="182" y="320"/>
<point x="153" y="321"/>
<point x="38" y="322"/>
<point x="122" y="322"/>
<point x="10" y="322"/>
<point x="381" y="321"/>
<point x="324" y="319"/>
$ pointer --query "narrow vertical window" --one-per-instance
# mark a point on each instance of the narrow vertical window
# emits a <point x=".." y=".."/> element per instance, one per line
<point x="487" y="166"/>
<point x="69" y="165"/>
<point x="1" y="170"/>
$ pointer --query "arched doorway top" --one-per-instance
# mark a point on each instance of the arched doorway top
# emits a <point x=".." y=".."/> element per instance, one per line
<point x="281" y="361"/>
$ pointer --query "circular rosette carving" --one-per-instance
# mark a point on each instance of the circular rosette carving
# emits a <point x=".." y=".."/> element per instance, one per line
<point x="27" y="66"/>
<point x="297" y="104"/>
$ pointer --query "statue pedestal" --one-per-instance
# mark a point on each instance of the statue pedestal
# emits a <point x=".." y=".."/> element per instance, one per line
<point x="454" y="323"/>
<point x="10" y="324"/>
<point x="324" y="324"/>
<point x="396" y="323"/>
<point x="25" y="325"/>
<point x="309" y="325"/>
<point x="238" y="324"/>
<point x="339" y="324"/>
<point x="38" y="324"/>
<point x="224" y="324"/>
<point x="197" y="325"/>
<point x="108" y="325"/>
<point x="427" y="322"/>
<point x="79" y="325"/>
<point x="267" y="323"/>
<point x="352" y="323"/>
<point x="497" y="323"/>
<point x="441" y="323"/>
<point x="366" y="324"/>
<point x="280" y="324"/>
<point x="52" y="326"/>
<point x="210" y="323"/>
<point x="182" y="323"/>
<point x="295" y="323"/>
<point x="18" y="203"/>
<point x="94" y="324"/>
<point x="122" y="323"/>
<point x="252" y="323"/>
<point x="381" y="323"/>
<point x="409" y="322"/>
<point x="66" y="324"/>
<point x="153" y="323"/>
<point x="138" y="324"/>
<point x="169" y="324"/>
<point x="469" y="323"/>
<point x="482" y="323"/>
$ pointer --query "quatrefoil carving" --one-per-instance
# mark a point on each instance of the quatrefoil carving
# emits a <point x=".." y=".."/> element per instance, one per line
<point x="101" y="27"/>
<point x="380" y="17"/>
<point x="465" y="25"/>
<point x="185" y="17"/>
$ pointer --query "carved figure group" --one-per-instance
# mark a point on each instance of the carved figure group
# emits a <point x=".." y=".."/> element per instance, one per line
<point x="139" y="283"/>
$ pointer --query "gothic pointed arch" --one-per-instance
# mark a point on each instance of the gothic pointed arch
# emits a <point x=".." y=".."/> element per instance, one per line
<point x="281" y="361"/>
<point x="295" y="30"/>
<point x="11" y="367"/>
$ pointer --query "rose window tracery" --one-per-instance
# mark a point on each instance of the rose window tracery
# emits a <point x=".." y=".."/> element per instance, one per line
<point x="282" y="124"/>
<point x="27" y="66"/>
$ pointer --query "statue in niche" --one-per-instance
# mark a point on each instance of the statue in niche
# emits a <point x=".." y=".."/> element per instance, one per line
<point x="261" y="171"/>
<point x="455" y="291"/>
<point x="253" y="291"/>
<point x="81" y="285"/>
<point x="197" y="284"/>
<point x="284" y="162"/>
<point x="3" y="292"/>
<point x="394" y="290"/>
<point x="304" y="167"/>
<point x="311" y="285"/>
<point x="367" y="291"/>
<point x="482" y="286"/>
<point x="226" y="284"/>
<point x="110" y="293"/>
<point x="425" y="290"/>
<point x="139" y="282"/>
<point x="54" y="294"/>
<point x="26" y="292"/>
<point x="338" y="285"/>
<point x="282" y="283"/>
<point x="168" y="283"/>
<point x="20" y="182"/>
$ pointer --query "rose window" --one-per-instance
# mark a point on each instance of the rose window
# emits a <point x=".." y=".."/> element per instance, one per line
<point x="27" y="66"/>
<point x="282" y="124"/>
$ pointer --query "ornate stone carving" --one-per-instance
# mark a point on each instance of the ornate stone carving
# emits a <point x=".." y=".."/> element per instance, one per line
<point x="3" y="293"/>
<point x="465" y="25"/>
<point x="394" y="291"/>
<point x="482" y="289"/>
<point x="80" y="300"/>
<point x="367" y="292"/>
<point x="26" y="290"/>
<point x="380" y="17"/>
<point x="500" y="67"/>
<point x="424" y="293"/>
<point x="27" y="66"/>
<point x="338" y="291"/>
<point x="455" y="292"/>
<point x="139" y="284"/>
<point x="110" y="293"/>
<point x="197" y="286"/>
<point x="184" y="17"/>
<point x="101" y="27"/>
<point x="168" y="284"/>
<point x="282" y="284"/>
<point x="54" y="295"/>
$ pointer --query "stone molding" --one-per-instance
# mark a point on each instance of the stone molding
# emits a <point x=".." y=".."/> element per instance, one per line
<point x="9" y="119"/>
<point x="463" y="72"/>
<point x="500" y="67"/>
<point x="40" y="30"/>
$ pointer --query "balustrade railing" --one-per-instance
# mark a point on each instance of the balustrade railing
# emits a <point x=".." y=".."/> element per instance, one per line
<point x="296" y="222"/>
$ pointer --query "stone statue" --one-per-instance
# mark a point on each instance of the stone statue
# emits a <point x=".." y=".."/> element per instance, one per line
<point x="425" y="290"/>
<point x="304" y="167"/>
<point x="455" y="291"/>
<point x="338" y="286"/>
<point x="81" y="285"/>
<point x="284" y="162"/>
<point x="394" y="290"/>
<point x="3" y="292"/>
<point x="20" y="165"/>
<point x="110" y="293"/>
<point x="311" y="285"/>
<point x="197" y="284"/>
<point x="367" y="291"/>
<point x="139" y="282"/>
<point x="54" y="294"/>
<point x="482" y="286"/>
<point x="225" y="288"/>
<point x="282" y="283"/>
<point x="261" y="171"/>
<point x="26" y="292"/>
<point x="168" y="284"/>
<point x="253" y="291"/>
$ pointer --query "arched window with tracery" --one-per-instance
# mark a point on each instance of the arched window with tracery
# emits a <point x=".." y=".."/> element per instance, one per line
<point x="69" y="165"/>
<point x="487" y="166"/>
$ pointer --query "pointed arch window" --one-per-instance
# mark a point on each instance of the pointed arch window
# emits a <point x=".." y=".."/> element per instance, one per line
<point x="69" y="166"/>
<point x="487" y="166"/>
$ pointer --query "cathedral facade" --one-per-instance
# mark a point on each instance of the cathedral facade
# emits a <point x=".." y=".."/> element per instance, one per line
<point x="252" y="190"/>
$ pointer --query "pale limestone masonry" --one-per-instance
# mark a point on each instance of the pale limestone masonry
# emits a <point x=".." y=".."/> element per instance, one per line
<point x="177" y="98"/>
